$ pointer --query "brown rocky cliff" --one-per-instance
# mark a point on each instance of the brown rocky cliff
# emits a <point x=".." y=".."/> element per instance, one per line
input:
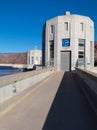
<point x="21" y="58"/>
<point x="13" y="58"/>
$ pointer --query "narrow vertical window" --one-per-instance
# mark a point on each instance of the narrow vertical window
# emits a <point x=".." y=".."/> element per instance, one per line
<point x="81" y="26"/>
<point x="91" y="52"/>
<point x="40" y="60"/>
<point x="81" y="52"/>
<point x="90" y="29"/>
<point x="66" y="26"/>
<point x="51" y="29"/>
<point x="32" y="60"/>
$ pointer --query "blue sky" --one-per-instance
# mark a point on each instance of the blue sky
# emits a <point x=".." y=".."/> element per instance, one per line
<point x="21" y="21"/>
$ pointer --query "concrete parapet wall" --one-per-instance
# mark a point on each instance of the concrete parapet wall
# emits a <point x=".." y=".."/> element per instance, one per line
<point x="13" y="84"/>
<point x="90" y="89"/>
<point x="88" y="77"/>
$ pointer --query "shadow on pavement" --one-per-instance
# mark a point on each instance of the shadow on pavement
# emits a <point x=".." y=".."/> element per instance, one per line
<point x="70" y="109"/>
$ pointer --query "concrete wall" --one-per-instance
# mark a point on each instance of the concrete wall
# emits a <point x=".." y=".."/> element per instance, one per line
<point x="90" y="78"/>
<point x="13" y="84"/>
<point x="89" y="87"/>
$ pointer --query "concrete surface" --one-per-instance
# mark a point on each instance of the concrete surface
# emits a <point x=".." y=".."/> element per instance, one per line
<point x="89" y="78"/>
<point x="13" y="84"/>
<point x="57" y="104"/>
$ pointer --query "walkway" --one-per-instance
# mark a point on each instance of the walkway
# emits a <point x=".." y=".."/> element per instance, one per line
<point x="57" y="104"/>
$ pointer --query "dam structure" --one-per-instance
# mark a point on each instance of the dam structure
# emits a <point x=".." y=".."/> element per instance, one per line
<point x="52" y="99"/>
<point x="62" y="94"/>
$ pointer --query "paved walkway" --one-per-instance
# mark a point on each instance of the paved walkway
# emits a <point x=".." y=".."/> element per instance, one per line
<point x="57" y="104"/>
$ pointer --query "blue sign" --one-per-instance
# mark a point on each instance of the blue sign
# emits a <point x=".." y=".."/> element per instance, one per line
<point x="65" y="42"/>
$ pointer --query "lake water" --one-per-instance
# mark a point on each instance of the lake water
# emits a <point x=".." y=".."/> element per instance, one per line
<point x="4" y="70"/>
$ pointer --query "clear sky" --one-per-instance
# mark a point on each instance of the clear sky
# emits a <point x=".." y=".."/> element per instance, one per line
<point x="21" y="21"/>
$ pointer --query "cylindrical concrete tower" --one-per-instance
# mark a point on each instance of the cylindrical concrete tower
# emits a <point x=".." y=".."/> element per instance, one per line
<point x="69" y="42"/>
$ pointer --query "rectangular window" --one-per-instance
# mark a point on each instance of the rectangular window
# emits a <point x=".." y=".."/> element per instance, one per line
<point x="52" y="52"/>
<point x="51" y="29"/>
<point x="32" y="60"/>
<point x="40" y="60"/>
<point x="51" y="49"/>
<point x="81" y="42"/>
<point x="81" y="54"/>
<point x="81" y="26"/>
<point x="91" y="52"/>
<point x="66" y="26"/>
<point x="90" y="29"/>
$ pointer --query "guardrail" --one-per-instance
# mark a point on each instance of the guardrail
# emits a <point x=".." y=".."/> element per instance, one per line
<point x="89" y="87"/>
<point x="13" y="84"/>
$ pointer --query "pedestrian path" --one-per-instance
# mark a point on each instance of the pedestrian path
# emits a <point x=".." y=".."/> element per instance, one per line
<point x="57" y="104"/>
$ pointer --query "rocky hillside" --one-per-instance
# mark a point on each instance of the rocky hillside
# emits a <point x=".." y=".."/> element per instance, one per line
<point x="13" y="58"/>
<point x="21" y="58"/>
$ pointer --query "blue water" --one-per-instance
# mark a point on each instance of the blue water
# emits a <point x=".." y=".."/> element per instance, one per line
<point x="4" y="70"/>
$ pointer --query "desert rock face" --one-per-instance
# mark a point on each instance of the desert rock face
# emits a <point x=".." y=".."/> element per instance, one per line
<point x="13" y="58"/>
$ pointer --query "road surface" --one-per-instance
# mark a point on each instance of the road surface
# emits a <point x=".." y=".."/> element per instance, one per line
<point x="57" y="104"/>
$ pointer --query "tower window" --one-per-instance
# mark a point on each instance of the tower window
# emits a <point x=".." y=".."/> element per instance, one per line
<point x="51" y="29"/>
<point x="90" y="29"/>
<point x="32" y="59"/>
<point x="66" y="26"/>
<point x="81" y="54"/>
<point x="81" y="26"/>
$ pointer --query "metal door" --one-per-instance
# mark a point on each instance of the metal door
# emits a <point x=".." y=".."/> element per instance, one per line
<point x="66" y="60"/>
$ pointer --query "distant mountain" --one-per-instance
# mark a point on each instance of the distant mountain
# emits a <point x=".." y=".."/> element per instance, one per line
<point x="13" y="58"/>
<point x="21" y="58"/>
